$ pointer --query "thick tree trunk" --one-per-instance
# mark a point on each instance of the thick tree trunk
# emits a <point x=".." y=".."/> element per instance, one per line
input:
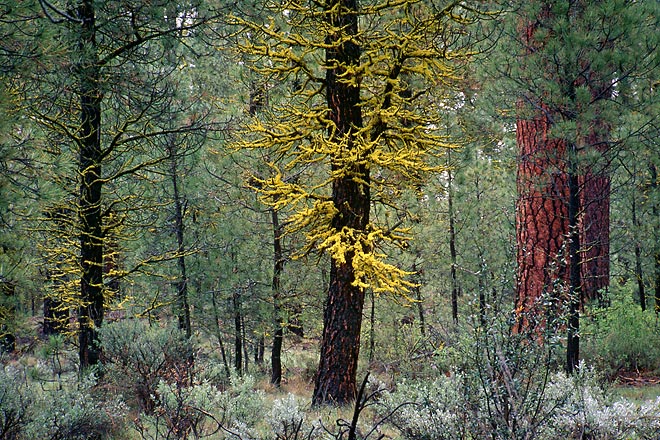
<point x="90" y="313"/>
<point x="541" y="219"/>
<point x="342" y="319"/>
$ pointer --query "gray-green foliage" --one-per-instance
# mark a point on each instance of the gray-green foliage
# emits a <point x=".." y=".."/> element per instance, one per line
<point x="181" y="412"/>
<point x="429" y="410"/>
<point x="199" y="409"/>
<point x="74" y="412"/>
<point x="138" y="356"/>
<point x="15" y="402"/>
<point x="456" y="407"/>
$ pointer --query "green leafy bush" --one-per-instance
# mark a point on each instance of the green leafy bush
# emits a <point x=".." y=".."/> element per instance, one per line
<point x="622" y="336"/>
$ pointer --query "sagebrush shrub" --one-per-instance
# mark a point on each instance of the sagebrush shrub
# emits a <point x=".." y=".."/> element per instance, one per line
<point x="137" y="357"/>
<point x="75" y="414"/>
<point x="428" y="410"/>
<point x="569" y="407"/>
<point x="15" y="403"/>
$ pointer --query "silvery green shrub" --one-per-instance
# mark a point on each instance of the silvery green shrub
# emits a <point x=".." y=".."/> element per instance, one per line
<point x="568" y="407"/>
<point x="138" y="356"/>
<point x="15" y="403"/>
<point x="428" y="410"/>
<point x="200" y="410"/>
<point x="74" y="413"/>
<point x="181" y="412"/>
<point x="590" y="412"/>
<point x="287" y="421"/>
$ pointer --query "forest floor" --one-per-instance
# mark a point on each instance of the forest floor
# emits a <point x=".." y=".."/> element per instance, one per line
<point x="638" y="386"/>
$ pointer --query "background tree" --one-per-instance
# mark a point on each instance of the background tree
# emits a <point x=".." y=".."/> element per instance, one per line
<point x="100" y="118"/>
<point x="564" y="132"/>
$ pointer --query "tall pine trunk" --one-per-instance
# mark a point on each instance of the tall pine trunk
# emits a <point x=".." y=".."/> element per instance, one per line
<point x="90" y="313"/>
<point x="541" y="218"/>
<point x="595" y="186"/>
<point x="342" y="319"/>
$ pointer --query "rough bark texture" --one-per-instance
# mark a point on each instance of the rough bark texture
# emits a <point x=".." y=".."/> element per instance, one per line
<point x="90" y="314"/>
<point x="541" y="216"/>
<point x="342" y="319"/>
<point x="594" y="187"/>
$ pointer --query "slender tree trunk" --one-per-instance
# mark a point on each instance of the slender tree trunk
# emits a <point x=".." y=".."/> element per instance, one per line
<point x="259" y="349"/>
<point x="575" y="283"/>
<point x="657" y="281"/>
<point x="452" y="247"/>
<point x="218" y="333"/>
<point x="372" y="327"/>
<point x="238" y="333"/>
<point x="419" y="300"/>
<point x="342" y="319"/>
<point x="482" y="290"/>
<point x="656" y="213"/>
<point x="90" y="313"/>
<point x="639" y="275"/>
<point x="183" y="308"/>
<point x="246" y="351"/>
<point x="278" y="331"/>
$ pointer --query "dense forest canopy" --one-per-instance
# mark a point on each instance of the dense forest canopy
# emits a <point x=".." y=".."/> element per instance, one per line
<point x="404" y="188"/>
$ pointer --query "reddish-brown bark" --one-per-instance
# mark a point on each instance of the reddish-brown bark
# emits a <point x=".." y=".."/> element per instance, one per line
<point x="595" y="200"/>
<point x="541" y="216"/>
<point x="595" y="234"/>
<point x="562" y="216"/>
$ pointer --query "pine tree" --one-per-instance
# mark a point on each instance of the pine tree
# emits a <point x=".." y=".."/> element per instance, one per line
<point x="98" y="94"/>
<point x="572" y="58"/>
